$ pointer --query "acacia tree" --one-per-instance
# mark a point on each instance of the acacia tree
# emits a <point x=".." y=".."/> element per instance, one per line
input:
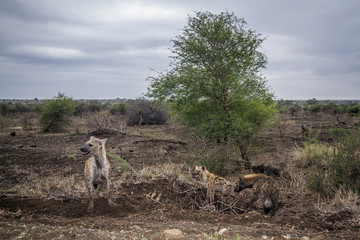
<point x="215" y="83"/>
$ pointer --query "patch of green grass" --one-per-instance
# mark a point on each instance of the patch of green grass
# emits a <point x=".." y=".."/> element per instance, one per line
<point x="333" y="167"/>
<point x="123" y="164"/>
<point x="212" y="236"/>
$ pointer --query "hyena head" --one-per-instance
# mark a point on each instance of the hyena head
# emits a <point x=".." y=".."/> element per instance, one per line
<point x="268" y="205"/>
<point x="242" y="184"/>
<point x="198" y="172"/>
<point x="93" y="146"/>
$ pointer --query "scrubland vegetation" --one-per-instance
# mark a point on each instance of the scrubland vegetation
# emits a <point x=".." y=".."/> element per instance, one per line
<point x="325" y="163"/>
<point x="212" y="108"/>
<point x="319" y="172"/>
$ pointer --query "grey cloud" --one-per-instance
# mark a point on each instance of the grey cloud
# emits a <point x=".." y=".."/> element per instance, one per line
<point x="66" y="45"/>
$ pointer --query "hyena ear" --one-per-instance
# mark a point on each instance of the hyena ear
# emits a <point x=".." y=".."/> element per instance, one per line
<point x="103" y="141"/>
<point x="92" y="137"/>
<point x="203" y="168"/>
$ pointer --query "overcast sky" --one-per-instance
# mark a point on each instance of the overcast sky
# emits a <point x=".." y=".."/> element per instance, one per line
<point x="98" y="49"/>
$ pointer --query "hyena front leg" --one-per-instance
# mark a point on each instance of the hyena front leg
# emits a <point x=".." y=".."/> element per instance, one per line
<point x="111" y="203"/>
<point x="90" y="188"/>
<point x="252" y="201"/>
<point x="210" y="195"/>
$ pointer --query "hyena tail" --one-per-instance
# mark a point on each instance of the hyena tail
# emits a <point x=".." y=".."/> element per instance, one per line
<point x="254" y="176"/>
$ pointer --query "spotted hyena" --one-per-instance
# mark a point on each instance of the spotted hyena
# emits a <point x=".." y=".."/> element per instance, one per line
<point x="97" y="169"/>
<point x="212" y="182"/>
<point x="264" y="188"/>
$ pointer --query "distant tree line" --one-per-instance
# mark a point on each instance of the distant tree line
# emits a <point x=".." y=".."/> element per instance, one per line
<point x="142" y="111"/>
<point x="352" y="108"/>
<point x="55" y="114"/>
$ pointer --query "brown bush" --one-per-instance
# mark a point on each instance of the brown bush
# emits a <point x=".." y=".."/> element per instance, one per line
<point x="144" y="112"/>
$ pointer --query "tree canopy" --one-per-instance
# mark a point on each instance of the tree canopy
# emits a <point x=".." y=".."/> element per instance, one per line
<point x="215" y="81"/>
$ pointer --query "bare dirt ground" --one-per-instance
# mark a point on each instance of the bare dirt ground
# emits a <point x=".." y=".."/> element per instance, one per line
<point x="42" y="193"/>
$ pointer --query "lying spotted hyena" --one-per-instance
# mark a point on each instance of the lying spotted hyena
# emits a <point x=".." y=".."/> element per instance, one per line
<point x="212" y="183"/>
<point x="264" y="188"/>
<point x="97" y="169"/>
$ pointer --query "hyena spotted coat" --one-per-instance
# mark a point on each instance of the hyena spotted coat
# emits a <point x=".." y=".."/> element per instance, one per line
<point x="212" y="182"/>
<point x="97" y="169"/>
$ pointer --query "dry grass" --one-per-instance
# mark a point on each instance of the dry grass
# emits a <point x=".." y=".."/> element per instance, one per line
<point x="54" y="185"/>
<point x="173" y="171"/>
<point x="312" y="153"/>
<point x="347" y="199"/>
<point x="345" y="202"/>
<point x="102" y="122"/>
<point x="193" y="195"/>
<point x="297" y="180"/>
<point x="283" y="126"/>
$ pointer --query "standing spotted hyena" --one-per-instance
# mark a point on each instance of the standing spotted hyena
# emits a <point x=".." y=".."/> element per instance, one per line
<point x="97" y="169"/>
<point x="264" y="188"/>
<point x="212" y="183"/>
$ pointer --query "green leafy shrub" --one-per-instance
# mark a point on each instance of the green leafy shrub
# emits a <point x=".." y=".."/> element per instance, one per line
<point x="339" y="168"/>
<point x="55" y="113"/>
<point x="315" y="181"/>
<point x="3" y="122"/>
<point x="345" y="165"/>
<point x="17" y="108"/>
<point x="316" y="108"/>
<point x="118" y="109"/>
<point x="338" y="133"/>
<point x="354" y="110"/>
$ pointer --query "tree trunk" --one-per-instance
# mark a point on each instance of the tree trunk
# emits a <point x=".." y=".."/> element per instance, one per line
<point x="244" y="155"/>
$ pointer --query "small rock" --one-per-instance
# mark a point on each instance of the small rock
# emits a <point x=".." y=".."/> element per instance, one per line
<point x="18" y="214"/>
<point x="136" y="227"/>
<point x="222" y="231"/>
<point x="290" y="236"/>
<point x="173" y="232"/>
